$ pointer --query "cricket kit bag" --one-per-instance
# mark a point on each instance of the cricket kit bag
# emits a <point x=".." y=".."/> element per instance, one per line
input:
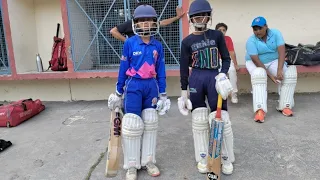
<point x="58" y="60"/>
<point x="16" y="112"/>
<point x="306" y="55"/>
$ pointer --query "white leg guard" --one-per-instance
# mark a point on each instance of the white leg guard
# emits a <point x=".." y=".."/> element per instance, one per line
<point x="200" y="129"/>
<point x="287" y="89"/>
<point x="132" y="129"/>
<point x="259" y="88"/>
<point x="233" y="77"/>
<point x="227" y="144"/>
<point x="149" y="139"/>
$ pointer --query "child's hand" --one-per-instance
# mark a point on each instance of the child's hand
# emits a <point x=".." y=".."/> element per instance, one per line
<point x="163" y="105"/>
<point x="114" y="101"/>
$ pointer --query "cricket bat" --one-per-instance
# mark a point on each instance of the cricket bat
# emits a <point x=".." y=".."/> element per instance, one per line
<point x="215" y="144"/>
<point x="114" y="145"/>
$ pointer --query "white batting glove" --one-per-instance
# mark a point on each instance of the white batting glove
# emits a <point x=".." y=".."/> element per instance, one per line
<point x="114" y="101"/>
<point x="223" y="85"/>
<point x="184" y="103"/>
<point x="163" y="104"/>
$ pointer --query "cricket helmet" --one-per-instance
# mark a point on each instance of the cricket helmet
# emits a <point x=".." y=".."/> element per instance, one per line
<point x="141" y="13"/>
<point x="200" y="9"/>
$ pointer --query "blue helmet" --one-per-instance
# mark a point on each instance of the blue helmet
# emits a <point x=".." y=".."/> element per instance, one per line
<point x="199" y="6"/>
<point x="196" y="9"/>
<point x="144" y="11"/>
<point x="139" y="28"/>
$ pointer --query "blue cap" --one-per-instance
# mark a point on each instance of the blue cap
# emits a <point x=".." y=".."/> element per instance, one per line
<point x="259" y="21"/>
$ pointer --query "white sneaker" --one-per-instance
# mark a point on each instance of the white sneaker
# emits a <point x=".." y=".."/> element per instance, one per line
<point x="152" y="169"/>
<point x="202" y="167"/>
<point x="227" y="167"/>
<point x="234" y="98"/>
<point x="131" y="174"/>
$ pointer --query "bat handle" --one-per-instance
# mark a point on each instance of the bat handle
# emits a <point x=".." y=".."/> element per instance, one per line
<point x="219" y="105"/>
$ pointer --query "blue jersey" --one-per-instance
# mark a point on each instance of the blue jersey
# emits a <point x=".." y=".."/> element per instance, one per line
<point x="267" y="51"/>
<point x="142" y="61"/>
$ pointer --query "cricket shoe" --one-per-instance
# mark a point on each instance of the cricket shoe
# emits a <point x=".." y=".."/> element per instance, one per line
<point x="152" y="169"/>
<point x="286" y="112"/>
<point x="259" y="116"/>
<point x="227" y="167"/>
<point x="234" y="98"/>
<point x="202" y="167"/>
<point x="131" y="174"/>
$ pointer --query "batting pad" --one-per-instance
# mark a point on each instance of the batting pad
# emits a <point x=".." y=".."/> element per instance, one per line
<point x="227" y="139"/>
<point x="149" y="138"/>
<point x="259" y="89"/>
<point x="287" y="89"/>
<point x="132" y="129"/>
<point x="200" y="129"/>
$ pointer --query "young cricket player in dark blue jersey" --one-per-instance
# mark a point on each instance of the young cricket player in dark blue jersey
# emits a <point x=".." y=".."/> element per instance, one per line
<point x="142" y="81"/>
<point x="200" y="51"/>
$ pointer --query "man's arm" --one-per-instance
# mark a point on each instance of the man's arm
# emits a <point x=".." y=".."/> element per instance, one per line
<point x="282" y="56"/>
<point x="123" y="28"/>
<point x="116" y="34"/>
<point x="179" y="12"/>
<point x="281" y="50"/>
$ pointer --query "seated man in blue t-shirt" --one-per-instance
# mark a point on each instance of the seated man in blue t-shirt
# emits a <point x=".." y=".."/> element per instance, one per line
<point x="265" y="56"/>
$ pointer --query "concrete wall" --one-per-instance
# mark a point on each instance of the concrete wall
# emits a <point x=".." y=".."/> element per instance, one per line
<point x="100" y="88"/>
<point x="33" y="25"/>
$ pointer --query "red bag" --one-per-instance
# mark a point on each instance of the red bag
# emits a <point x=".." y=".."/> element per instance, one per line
<point x="15" y="113"/>
<point x="58" y="60"/>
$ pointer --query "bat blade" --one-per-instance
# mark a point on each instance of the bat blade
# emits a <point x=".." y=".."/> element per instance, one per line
<point x="114" y="145"/>
<point x="215" y="142"/>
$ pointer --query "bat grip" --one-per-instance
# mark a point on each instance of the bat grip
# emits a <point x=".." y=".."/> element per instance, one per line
<point x="219" y="106"/>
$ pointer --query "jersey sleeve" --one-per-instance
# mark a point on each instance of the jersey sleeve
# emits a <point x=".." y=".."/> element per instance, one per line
<point x="161" y="71"/>
<point x="229" y="43"/>
<point x="124" y="66"/>
<point x="223" y="51"/>
<point x="251" y="47"/>
<point x="125" y="28"/>
<point x="185" y="59"/>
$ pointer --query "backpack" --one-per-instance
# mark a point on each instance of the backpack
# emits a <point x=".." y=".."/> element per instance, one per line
<point x="58" y="60"/>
